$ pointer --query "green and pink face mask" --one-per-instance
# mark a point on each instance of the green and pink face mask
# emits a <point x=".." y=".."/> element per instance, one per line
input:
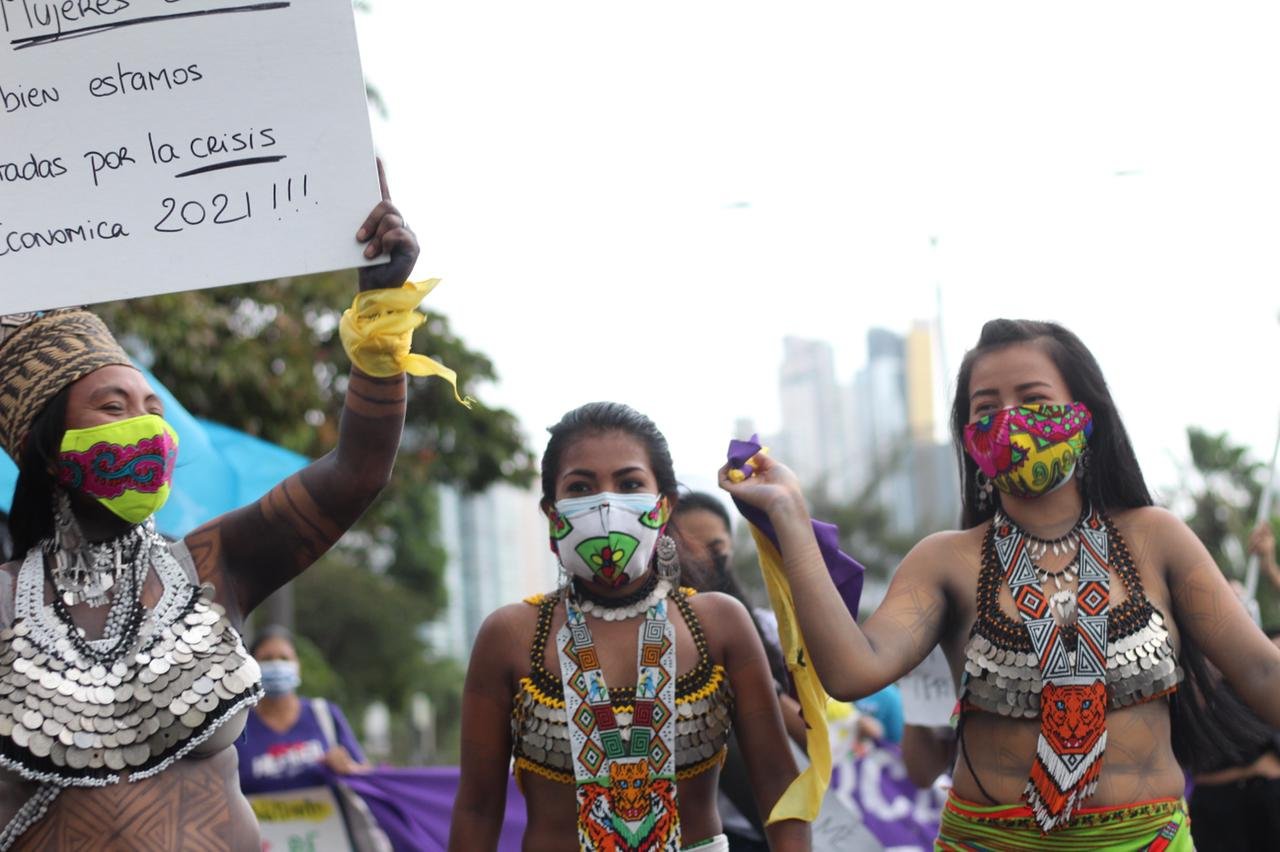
<point x="126" y="465"/>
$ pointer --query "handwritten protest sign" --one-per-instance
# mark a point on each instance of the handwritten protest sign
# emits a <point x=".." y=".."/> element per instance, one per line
<point x="305" y="819"/>
<point x="151" y="146"/>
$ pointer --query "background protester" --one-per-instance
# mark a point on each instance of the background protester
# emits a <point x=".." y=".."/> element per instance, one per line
<point x="1064" y="566"/>
<point x="596" y="757"/>
<point x="289" y="741"/>
<point x="1236" y="805"/>
<point x="105" y="620"/>
<point x="702" y="529"/>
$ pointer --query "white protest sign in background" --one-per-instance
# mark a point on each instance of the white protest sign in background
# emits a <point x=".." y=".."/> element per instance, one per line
<point x="928" y="692"/>
<point x="304" y="820"/>
<point x="151" y="146"/>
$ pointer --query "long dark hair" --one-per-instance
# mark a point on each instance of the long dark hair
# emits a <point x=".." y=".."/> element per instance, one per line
<point x="1115" y="479"/>
<point x="1212" y="728"/>
<point x="599" y="418"/>
<point x="725" y="580"/>
<point x="31" y="515"/>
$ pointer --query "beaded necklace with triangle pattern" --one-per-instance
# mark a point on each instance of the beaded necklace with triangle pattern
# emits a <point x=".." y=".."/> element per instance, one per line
<point x="1073" y="699"/>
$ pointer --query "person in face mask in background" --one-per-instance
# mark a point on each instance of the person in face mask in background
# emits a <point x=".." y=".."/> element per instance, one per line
<point x="289" y="740"/>
<point x="701" y="528"/>
<point x="1072" y="612"/>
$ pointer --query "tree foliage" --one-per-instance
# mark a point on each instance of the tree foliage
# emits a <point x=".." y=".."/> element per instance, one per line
<point x="267" y="359"/>
<point x="1222" y="496"/>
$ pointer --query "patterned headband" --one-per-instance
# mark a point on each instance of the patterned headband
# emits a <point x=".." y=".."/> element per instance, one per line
<point x="40" y="354"/>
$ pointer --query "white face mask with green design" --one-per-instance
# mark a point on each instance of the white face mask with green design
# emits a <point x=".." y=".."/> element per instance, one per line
<point x="608" y="539"/>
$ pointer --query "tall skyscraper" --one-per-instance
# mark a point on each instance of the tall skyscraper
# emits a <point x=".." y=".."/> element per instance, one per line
<point x="918" y="367"/>
<point x="496" y="543"/>
<point x="814" y="416"/>
<point x="881" y="416"/>
<point x="875" y="433"/>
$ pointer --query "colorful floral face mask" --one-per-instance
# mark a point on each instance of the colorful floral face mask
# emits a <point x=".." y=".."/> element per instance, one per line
<point x="125" y="465"/>
<point x="1029" y="450"/>
<point x="608" y="538"/>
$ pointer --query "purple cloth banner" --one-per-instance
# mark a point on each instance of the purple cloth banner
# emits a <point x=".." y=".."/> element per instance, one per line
<point x="875" y="786"/>
<point x="413" y="807"/>
<point x="846" y="572"/>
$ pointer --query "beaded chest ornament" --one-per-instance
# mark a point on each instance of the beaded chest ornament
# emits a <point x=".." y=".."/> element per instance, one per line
<point x="1073" y="700"/>
<point x="625" y="785"/>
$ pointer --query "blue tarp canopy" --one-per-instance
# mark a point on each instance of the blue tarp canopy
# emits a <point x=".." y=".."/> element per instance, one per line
<point x="219" y="469"/>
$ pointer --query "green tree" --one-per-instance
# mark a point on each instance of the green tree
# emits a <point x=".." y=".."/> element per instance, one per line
<point x="266" y="358"/>
<point x="1221" y="493"/>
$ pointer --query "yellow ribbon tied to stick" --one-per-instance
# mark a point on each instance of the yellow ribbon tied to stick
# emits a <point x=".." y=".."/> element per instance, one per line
<point x="377" y="332"/>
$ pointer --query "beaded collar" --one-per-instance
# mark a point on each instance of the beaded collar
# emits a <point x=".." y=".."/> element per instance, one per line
<point x="1004" y="632"/>
<point x="1002" y="676"/>
<point x="691" y="681"/>
<point x="539" y="724"/>
<point x="89" y="713"/>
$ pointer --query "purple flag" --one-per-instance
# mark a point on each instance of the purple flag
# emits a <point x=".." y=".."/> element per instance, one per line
<point x="845" y="571"/>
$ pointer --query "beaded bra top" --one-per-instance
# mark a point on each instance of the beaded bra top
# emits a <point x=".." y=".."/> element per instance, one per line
<point x="79" y="712"/>
<point x="540" y="728"/>
<point x="1002" y="674"/>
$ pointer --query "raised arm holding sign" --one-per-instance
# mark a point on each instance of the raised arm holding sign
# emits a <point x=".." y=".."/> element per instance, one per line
<point x="129" y="646"/>
<point x="150" y="146"/>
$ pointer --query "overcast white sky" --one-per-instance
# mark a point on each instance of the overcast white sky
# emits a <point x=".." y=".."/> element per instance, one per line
<point x="639" y="200"/>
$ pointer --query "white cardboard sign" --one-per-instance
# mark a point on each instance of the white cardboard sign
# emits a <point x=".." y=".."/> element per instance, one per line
<point x="151" y="146"/>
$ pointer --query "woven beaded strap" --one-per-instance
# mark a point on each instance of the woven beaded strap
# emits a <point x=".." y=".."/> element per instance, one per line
<point x="625" y="781"/>
<point x="1073" y="700"/>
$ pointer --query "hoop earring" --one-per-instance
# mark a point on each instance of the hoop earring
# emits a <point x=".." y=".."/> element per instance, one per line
<point x="668" y="559"/>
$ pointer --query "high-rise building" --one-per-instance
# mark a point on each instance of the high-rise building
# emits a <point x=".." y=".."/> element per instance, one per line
<point x="935" y="477"/>
<point x="814" y="416"/>
<point x="918" y="368"/>
<point x="497" y="553"/>
<point x="875" y="434"/>
<point x="881" y="434"/>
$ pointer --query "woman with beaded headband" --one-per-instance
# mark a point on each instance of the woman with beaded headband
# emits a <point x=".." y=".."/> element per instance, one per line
<point x="123" y="678"/>
<point x="1070" y="609"/>
<point x="626" y="686"/>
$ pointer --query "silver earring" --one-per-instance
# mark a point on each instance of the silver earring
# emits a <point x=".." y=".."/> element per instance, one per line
<point x="984" y="489"/>
<point x="668" y="560"/>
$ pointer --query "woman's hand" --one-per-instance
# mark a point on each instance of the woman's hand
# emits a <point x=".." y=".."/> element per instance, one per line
<point x="772" y="488"/>
<point x="385" y="231"/>
<point x="340" y="761"/>
<point x="1263" y="542"/>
